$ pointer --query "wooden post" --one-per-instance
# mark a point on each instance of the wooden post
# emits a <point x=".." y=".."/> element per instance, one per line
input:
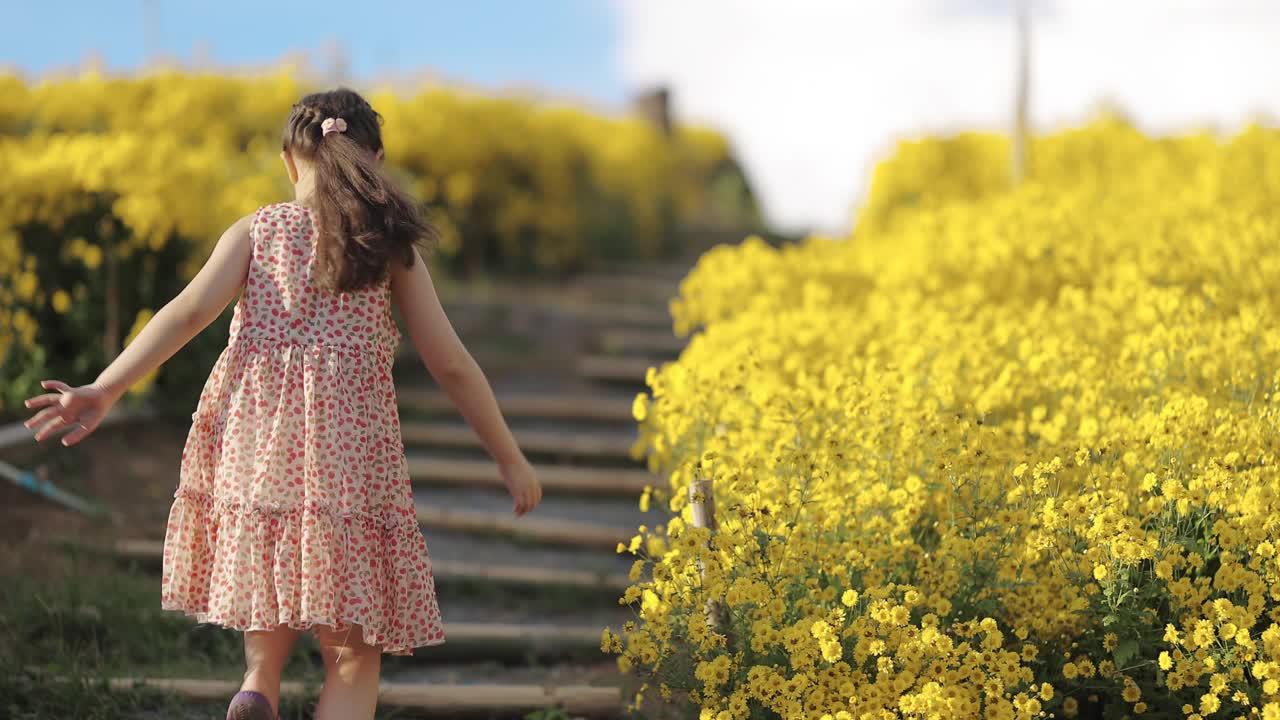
<point x="702" y="501"/>
<point x="655" y="105"/>
<point x="111" y="325"/>
<point x="1021" y="93"/>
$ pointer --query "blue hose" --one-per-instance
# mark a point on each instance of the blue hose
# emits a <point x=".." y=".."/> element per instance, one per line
<point x="46" y="489"/>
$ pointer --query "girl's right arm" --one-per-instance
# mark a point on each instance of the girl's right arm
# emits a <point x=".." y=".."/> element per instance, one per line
<point x="460" y="376"/>
<point x="173" y="326"/>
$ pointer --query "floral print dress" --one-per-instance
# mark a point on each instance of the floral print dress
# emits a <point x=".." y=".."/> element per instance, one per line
<point x="294" y="505"/>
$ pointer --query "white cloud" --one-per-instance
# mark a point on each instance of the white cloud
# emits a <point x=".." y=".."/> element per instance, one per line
<point x="814" y="92"/>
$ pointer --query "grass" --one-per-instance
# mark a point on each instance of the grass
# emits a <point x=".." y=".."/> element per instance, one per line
<point x="65" y="630"/>
<point x="107" y="620"/>
<point x="28" y="695"/>
<point x="70" y="619"/>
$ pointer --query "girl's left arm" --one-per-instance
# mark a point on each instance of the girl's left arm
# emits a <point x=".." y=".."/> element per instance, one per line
<point x="173" y="326"/>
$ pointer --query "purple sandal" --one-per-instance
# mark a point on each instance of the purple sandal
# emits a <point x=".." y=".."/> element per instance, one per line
<point x="250" y="705"/>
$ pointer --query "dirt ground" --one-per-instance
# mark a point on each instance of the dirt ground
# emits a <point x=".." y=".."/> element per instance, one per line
<point x="132" y="467"/>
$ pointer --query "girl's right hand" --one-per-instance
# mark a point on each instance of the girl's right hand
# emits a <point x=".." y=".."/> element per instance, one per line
<point x="523" y="485"/>
<point x="83" y="406"/>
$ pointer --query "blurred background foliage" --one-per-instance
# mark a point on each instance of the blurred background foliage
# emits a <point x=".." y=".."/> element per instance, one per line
<point x="116" y="188"/>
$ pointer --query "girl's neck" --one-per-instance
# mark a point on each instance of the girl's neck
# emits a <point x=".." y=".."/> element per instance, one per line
<point x="304" y="189"/>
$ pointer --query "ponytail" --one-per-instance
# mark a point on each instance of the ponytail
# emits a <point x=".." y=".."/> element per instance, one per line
<point x="365" y="221"/>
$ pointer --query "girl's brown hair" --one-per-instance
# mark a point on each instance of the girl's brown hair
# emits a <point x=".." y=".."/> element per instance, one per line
<point x="365" y="221"/>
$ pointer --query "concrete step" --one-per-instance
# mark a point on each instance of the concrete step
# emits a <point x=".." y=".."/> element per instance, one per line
<point x="612" y="407"/>
<point x="508" y="552"/>
<point x="610" y="368"/>
<point x="625" y="285"/>
<point x="611" y="444"/>
<point x="554" y="531"/>
<point x="432" y="470"/>
<point x="650" y="313"/>
<point x="482" y="699"/>
<point x="639" y="341"/>
<point x="151" y="551"/>
<point x="618" y="511"/>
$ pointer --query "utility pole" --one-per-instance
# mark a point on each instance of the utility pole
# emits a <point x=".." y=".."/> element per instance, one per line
<point x="151" y="31"/>
<point x="337" y="62"/>
<point x="655" y="106"/>
<point x="1022" y="91"/>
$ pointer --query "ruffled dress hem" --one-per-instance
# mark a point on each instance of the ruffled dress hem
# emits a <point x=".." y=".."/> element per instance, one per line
<point x="304" y="565"/>
<point x="206" y="618"/>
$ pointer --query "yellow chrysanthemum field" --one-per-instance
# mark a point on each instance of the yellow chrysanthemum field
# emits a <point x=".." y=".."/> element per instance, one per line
<point x="1001" y="453"/>
<point x="110" y="176"/>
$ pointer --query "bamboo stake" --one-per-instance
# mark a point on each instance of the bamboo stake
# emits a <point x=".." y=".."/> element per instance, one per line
<point x="1021" y="93"/>
<point x="702" y="502"/>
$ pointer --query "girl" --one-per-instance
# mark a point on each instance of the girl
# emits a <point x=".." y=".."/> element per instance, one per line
<point x="294" y="509"/>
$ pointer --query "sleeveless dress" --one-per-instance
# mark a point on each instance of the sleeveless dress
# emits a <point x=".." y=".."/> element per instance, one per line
<point x="294" y="505"/>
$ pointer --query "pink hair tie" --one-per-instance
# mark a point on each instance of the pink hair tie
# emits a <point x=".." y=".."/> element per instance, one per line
<point x="332" y="125"/>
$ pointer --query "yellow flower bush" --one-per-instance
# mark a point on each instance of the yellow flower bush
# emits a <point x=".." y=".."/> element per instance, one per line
<point x="1001" y="453"/>
<point x="136" y="177"/>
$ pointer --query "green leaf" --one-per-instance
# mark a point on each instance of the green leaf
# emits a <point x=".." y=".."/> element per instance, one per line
<point x="1125" y="651"/>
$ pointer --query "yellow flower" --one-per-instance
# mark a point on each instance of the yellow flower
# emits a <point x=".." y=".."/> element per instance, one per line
<point x="61" y="301"/>
<point x="640" y="407"/>
<point x="1100" y="572"/>
<point x="92" y="257"/>
<point x="143" y="317"/>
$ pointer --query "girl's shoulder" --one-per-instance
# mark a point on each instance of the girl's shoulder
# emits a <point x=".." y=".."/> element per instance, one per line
<point x="279" y="214"/>
<point x="284" y="207"/>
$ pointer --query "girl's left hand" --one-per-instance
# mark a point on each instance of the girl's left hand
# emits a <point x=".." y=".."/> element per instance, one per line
<point x="83" y="406"/>
<point x="522" y="483"/>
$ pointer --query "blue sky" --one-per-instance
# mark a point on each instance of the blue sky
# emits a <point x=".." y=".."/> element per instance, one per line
<point x="812" y="93"/>
<point x="563" y="46"/>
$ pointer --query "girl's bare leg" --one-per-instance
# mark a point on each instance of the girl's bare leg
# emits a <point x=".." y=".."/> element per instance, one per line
<point x="265" y="655"/>
<point x="351" y="675"/>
